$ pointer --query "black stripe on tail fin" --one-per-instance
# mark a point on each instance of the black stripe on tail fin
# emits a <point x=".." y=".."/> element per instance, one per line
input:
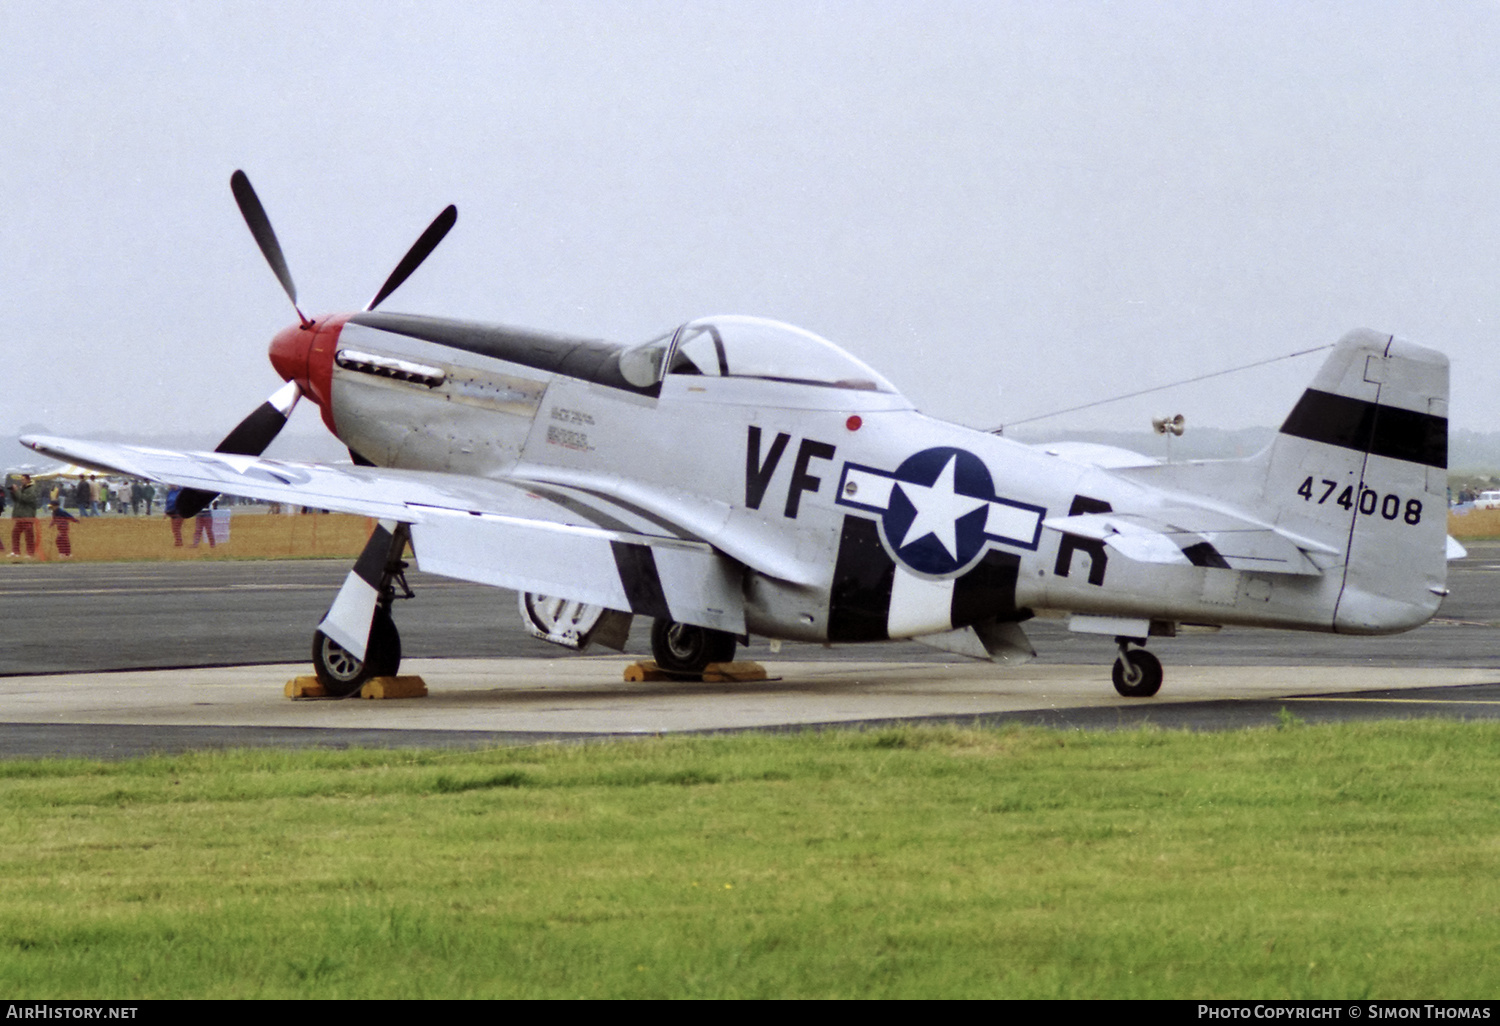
<point x="1364" y="426"/>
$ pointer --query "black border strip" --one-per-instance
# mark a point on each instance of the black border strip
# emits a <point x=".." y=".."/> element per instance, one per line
<point x="988" y="591"/>
<point x="370" y="567"/>
<point x="859" y="601"/>
<point x="1364" y="426"/>
<point x="583" y="358"/>
<point x="638" y="574"/>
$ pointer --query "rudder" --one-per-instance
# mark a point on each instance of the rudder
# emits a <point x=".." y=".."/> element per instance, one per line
<point x="1360" y="464"/>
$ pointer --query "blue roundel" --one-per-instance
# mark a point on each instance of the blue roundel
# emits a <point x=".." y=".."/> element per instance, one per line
<point x="935" y="522"/>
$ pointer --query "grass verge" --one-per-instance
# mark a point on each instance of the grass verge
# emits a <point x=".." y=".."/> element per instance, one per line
<point x="1351" y="861"/>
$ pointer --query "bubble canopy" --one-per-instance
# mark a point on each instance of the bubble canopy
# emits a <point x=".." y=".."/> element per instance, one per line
<point x="748" y="347"/>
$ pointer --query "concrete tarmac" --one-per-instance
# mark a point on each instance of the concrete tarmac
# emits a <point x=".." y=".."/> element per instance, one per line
<point x="500" y="687"/>
<point x="486" y="702"/>
<point x="63" y="618"/>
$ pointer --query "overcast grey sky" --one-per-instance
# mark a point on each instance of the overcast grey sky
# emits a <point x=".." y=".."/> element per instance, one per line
<point x="1005" y="207"/>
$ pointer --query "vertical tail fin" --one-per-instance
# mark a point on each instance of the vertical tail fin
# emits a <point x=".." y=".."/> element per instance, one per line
<point x="1361" y="465"/>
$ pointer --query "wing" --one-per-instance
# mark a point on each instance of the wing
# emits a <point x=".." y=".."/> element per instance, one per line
<point x="1197" y="536"/>
<point x="1107" y="457"/>
<point x="471" y="528"/>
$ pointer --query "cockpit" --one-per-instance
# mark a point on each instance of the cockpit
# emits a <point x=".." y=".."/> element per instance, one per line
<point x="748" y="347"/>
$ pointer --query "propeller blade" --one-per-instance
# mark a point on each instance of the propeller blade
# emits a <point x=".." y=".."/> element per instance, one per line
<point x="249" y="438"/>
<point x="414" y="256"/>
<point x="265" y="235"/>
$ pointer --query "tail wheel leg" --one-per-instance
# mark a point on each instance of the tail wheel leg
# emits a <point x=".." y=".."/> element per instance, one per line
<point x="1137" y="673"/>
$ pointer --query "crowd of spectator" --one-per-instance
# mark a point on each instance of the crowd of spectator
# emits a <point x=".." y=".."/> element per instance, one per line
<point x="61" y="501"/>
<point x="94" y="495"/>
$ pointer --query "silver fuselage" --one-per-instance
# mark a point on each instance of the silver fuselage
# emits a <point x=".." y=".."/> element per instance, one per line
<point x="801" y="483"/>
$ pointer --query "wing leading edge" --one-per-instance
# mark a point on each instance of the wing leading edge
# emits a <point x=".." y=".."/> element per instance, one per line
<point x="473" y="529"/>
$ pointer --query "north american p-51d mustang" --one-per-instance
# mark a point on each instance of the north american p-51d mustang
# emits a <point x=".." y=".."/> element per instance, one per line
<point x="739" y="477"/>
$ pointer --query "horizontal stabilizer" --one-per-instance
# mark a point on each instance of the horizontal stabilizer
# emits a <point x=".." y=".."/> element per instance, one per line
<point x="1109" y="457"/>
<point x="1196" y="537"/>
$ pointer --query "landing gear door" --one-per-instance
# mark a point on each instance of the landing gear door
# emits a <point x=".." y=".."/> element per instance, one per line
<point x="573" y="624"/>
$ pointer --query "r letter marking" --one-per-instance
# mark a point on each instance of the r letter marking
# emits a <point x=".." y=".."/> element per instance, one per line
<point x="1094" y="547"/>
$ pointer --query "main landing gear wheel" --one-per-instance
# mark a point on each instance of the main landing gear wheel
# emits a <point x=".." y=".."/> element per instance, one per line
<point x="1137" y="673"/>
<point x="341" y="674"/>
<point x="684" y="648"/>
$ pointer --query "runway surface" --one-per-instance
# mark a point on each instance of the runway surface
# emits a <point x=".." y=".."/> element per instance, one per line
<point x="112" y="660"/>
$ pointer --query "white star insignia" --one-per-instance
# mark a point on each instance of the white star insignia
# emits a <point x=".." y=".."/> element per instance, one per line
<point x="240" y="464"/>
<point x="939" y="508"/>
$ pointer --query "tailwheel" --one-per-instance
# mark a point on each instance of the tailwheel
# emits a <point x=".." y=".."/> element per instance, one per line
<point x="1137" y="673"/>
<point x="341" y="673"/>
<point x="685" y="648"/>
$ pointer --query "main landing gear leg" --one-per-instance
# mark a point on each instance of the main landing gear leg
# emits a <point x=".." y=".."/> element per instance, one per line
<point x="358" y="639"/>
<point x="1137" y="673"/>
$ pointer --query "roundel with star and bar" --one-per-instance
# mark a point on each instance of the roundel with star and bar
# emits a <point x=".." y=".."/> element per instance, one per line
<point x="938" y="510"/>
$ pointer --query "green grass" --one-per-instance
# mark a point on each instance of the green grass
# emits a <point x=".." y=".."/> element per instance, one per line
<point x="1333" y="862"/>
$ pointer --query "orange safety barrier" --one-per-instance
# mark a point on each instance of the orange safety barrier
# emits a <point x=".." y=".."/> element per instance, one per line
<point x="308" y="536"/>
<point x="1477" y="523"/>
<point x="235" y="536"/>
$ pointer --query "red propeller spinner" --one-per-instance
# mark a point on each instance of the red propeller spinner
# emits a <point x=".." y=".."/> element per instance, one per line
<point x="303" y="353"/>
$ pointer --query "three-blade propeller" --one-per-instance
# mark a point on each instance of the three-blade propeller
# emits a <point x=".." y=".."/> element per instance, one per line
<point x="257" y="431"/>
